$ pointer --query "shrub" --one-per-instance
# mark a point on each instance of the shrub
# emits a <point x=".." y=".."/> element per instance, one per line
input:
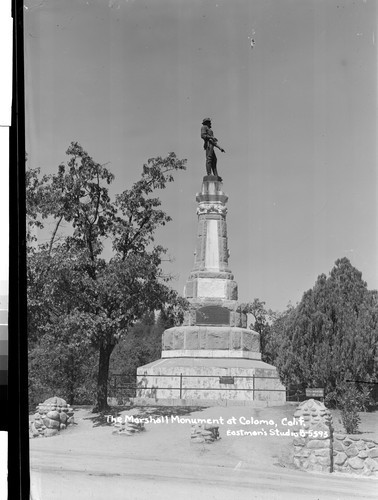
<point x="351" y="419"/>
<point x="350" y="400"/>
<point x="346" y="390"/>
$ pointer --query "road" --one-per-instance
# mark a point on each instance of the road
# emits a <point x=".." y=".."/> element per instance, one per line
<point x="82" y="476"/>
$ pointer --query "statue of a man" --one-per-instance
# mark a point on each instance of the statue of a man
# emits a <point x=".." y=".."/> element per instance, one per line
<point x="210" y="142"/>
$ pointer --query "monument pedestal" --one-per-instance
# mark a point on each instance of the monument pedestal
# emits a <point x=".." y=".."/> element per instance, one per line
<point x="211" y="380"/>
<point x="212" y="358"/>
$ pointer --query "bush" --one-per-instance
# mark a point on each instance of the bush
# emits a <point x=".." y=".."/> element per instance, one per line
<point x="350" y="400"/>
<point x="351" y="419"/>
<point x="346" y="390"/>
<point x="366" y="399"/>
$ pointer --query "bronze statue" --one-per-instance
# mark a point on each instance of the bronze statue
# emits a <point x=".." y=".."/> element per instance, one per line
<point x="210" y="142"/>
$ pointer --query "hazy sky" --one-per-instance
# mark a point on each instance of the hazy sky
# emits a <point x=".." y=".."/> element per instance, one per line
<point x="296" y="114"/>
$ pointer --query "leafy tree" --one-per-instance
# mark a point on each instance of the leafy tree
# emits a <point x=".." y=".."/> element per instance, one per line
<point x="259" y="313"/>
<point x="59" y="366"/>
<point x="262" y="320"/>
<point x="331" y="336"/>
<point x="73" y="289"/>
<point x="142" y="345"/>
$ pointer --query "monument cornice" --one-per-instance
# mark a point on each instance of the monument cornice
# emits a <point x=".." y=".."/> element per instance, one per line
<point x="211" y="208"/>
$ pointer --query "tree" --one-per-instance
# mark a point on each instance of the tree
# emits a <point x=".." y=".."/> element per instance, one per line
<point x="142" y="345"/>
<point x="331" y="336"/>
<point x="72" y="287"/>
<point x="59" y="366"/>
<point x="262" y="320"/>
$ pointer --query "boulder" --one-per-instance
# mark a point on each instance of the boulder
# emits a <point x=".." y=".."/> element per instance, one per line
<point x="356" y="463"/>
<point x="371" y="464"/>
<point x="340" y="459"/>
<point x="51" y="424"/>
<point x="351" y="451"/>
<point x="38" y="423"/>
<point x="373" y="453"/>
<point x="54" y="415"/>
<point x="63" y="417"/>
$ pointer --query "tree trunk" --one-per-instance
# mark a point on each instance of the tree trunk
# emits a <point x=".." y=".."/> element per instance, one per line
<point x="102" y="378"/>
<point x="71" y="380"/>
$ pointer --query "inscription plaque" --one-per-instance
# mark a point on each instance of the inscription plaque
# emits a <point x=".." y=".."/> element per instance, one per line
<point x="213" y="315"/>
<point x="226" y="380"/>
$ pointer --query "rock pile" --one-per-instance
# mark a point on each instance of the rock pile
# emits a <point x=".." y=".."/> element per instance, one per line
<point x="128" y="428"/>
<point x="51" y="417"/>
<point x="313" y="446"/>
<point x="204" y="433"/>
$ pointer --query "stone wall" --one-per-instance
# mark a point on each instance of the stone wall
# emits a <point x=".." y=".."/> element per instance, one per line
<point x="313" y="444"/>
<point x="318" y="448"/>
<point x="355" y="455"/>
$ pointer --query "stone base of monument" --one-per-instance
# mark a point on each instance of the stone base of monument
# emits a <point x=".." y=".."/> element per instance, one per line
<point x="201" y="341"/>
<point x="212" y="381"/>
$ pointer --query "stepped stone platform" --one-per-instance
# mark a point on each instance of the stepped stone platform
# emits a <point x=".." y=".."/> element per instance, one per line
<point x="212" y="356"/>
<point x="194" y="378"/>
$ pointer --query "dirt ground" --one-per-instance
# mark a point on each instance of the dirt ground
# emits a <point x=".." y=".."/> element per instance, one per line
<point x="173" y="438"/>
<point x="88" y="461"/>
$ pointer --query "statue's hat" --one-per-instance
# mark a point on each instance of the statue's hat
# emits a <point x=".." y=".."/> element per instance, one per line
<point x="205" y="120"/>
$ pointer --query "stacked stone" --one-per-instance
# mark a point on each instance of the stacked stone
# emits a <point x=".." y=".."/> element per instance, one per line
<point x="51" y="417"/>
<point x="355" y="455"/>
<point x="204" y="433"/>
<point x="313" y="446"/>
<point x="128" y="428"/>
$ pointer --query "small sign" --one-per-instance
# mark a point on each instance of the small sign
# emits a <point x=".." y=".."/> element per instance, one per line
<point x="317" y="392"/>
<point x="226" y="380"/>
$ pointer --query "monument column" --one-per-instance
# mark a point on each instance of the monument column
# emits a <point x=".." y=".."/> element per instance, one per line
<point x="215" y="324"/>
<point x="211" y="277"/>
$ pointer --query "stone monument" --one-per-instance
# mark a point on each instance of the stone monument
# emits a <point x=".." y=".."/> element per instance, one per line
<point x="212" y="357"/>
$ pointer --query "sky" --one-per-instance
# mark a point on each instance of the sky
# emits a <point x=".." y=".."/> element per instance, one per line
<point x="296" y="114"/>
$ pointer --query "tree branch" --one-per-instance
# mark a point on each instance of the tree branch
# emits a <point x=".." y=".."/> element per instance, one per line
<point x="54" y="233"/>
